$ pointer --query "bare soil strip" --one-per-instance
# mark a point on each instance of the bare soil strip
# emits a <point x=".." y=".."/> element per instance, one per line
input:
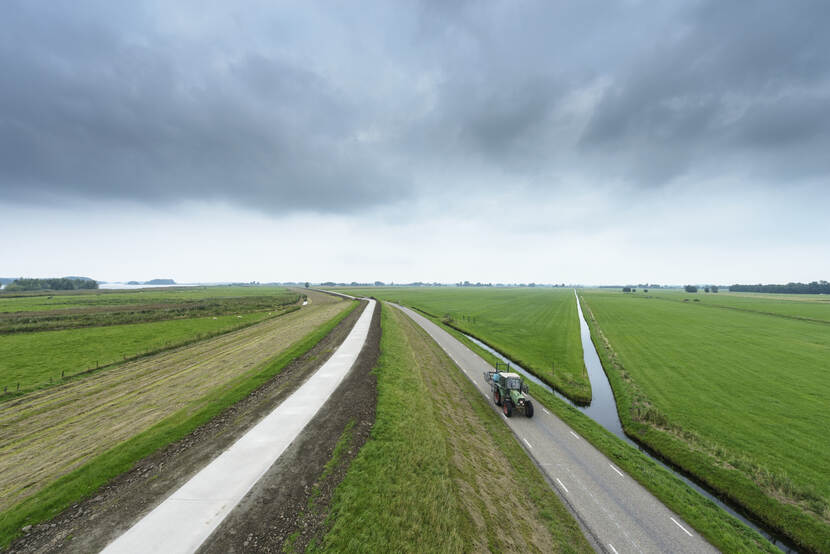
<point x="288" y="507"/>
<point x="48" y="434"/>
<point x="90" y="525"/>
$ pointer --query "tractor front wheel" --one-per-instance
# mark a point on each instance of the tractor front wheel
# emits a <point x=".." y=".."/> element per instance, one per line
<point x="507" y="407"/>
<point x="528" y="408"/>
<point x="497" y="397"/>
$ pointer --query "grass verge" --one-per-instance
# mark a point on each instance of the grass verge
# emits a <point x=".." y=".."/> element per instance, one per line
<point x="434" y="473"/>
<point x="84" y="481"/>
<point x="718" y="527"/>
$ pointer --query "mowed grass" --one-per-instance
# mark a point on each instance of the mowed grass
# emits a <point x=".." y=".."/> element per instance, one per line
<point x="56" y="300"/>
<point x="441" y="472"/>
<point x="35" y="360"/>
<point x="115" y="326"/>
<point x="88" y="432"/>
<point x="741" y="399"/>
<point x="803" y="306"/>
<point x="536" y="327"/>
<point x="96" y="309"/>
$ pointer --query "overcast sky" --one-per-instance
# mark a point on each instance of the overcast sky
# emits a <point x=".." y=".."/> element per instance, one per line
<point x="581" y="142"/>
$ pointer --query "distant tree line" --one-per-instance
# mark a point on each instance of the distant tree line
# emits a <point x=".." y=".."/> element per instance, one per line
<point x="815" y="287"/>
<point x="51" y="284"/>
<point x="706" y="288"/>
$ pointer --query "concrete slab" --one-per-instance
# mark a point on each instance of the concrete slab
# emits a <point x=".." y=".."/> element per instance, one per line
<point x="182" y="522"/>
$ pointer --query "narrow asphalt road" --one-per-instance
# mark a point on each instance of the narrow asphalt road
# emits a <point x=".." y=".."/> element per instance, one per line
<point x="620" y="513"/>
<point x="182" y="522"/>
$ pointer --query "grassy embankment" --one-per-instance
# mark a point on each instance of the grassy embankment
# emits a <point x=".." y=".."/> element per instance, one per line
<point x="738" y="398"/>
<point x="536" y="327"/>
<point x="718" y="527"/>
<point x="34" y="360"/>
<point x="434" y="473"/>
<point x="105" y="464"/>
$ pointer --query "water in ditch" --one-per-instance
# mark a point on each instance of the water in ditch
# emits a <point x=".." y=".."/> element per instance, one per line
<point x="603" y="410"/>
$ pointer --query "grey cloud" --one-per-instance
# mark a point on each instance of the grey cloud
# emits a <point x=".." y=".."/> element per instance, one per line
<point x="740" y="88"/>
<point x="286" y="108"/>
<point x="103" y="118"/>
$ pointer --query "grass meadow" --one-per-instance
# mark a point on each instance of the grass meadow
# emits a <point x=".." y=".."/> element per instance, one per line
<point x="814" y="307"/>
<point x="536" y="327"/>
<point x="735" y="389"/>
<point x="721" y="529"/>
<point x="56" y="300"/>
<point x="172" y="405"/>
<point x="100" y="329"/>
<point x="46" y="312"/>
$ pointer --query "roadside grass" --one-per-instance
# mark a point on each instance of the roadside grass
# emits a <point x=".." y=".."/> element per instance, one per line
<point x="536" y="327"/>
<point x="84" y="481"/>
<point x="311" y="509"/>
<point x="441" y="471"/>
<point x="738" y="399"/>
<point x="722" y="530"/>
<point x="39" y="360"/>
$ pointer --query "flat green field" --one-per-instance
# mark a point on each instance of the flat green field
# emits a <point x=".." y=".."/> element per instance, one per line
<point x="31" y="359"/>
<point x="51" y="311"/>
<point x="739" y="397"/>
<point x="536" y="327"/>
<point x="44" y="335"/>
<point x="34" y="301"/>
<point x="61" y="444"/>
<point x="804" y="306"/>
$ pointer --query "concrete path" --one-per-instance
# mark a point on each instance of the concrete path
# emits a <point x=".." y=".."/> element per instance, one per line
<point x="182" y="522"/>
<point x="620" y="513"/>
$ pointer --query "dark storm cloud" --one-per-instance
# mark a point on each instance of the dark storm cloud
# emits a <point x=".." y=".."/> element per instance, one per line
<point x="336" y="109"/>
<point x="732" y="87"/>
<point x="85" y="112"/>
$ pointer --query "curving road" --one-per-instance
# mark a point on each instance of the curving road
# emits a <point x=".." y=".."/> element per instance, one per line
<point x="619" y="514"/>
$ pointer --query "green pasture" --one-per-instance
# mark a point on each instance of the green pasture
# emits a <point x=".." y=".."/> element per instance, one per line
<point x="47" y="312"/>
<point x="84" y="481"/>
<point x="56" y="300"/>
<point x="536" y="327"/>
<point x="738" y="397"/>
<point x="32" y="359"/>
<point x="720" y="528"/>
<point x="801" y="306"/>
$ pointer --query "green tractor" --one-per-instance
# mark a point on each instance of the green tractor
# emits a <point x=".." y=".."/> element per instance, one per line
<point x="509" y="390"/>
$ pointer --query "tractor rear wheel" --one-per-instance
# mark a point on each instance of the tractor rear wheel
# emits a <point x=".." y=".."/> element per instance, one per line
<point x="528" y="408"/>
<point x="497" y="397"/>
<point x="507" y="407"/>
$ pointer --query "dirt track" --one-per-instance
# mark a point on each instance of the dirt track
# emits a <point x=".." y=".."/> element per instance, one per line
<point x="90" y="525"/>
<point x="47" y="434"/>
